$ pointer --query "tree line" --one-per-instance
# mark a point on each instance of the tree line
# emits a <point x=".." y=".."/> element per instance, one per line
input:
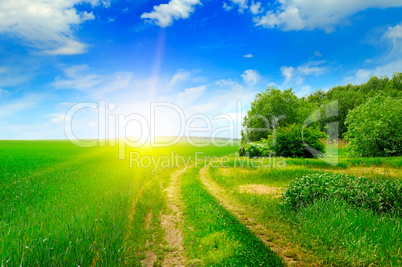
<point x="274" y="109"/>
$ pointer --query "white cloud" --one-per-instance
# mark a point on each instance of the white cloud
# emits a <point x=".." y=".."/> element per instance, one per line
<point x="59" y="118"/>
<point x="390" y="63"/>
<point x="242" y="5"/>
<point x="81" y="77"/>
<point x="134" y="98"/>
<point x="15" y="75"/>
<point x="312" y="14"/>
<point x="45" y="25"/>
<point x="106" y="3"/>
<point x="180" y="76"/>
<point x="251" y="77"/>
<point x="163" y="15"/>
<point x="70" y="47"/>
<point x="229" y="82"/>
<point x="248" y="56"/>
<point x="78" y="77"/>
<point x="317" y="54"/>
<point x="296" y="75"/>
<point x="3" y="93"/>
<point x="227" y="7"/>
<point x="310" y="68"/>
<point x="362" y="75"/>
<point x="288" y="72"/>
<point x="191" y="94"/>
<point x="18" y="105"/>
<point x="394" y="32"/>
<point x="255" y="8"/>
<point x="394" y="35"/>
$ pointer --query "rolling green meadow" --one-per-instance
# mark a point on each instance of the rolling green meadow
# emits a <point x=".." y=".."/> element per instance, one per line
<point x="184" y="133"/>
<point x="62" y="205"/>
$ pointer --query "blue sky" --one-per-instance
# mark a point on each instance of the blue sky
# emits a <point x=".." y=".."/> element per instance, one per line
<point x="188" y="57"/>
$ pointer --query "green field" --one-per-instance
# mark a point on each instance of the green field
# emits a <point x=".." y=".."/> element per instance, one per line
<point x="62" y="205"/>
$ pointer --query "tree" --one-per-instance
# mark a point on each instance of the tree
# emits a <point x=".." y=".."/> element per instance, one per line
<point x="351" y="96"/>
<point x="375" y="128"/>
<point x="269" y="110"/>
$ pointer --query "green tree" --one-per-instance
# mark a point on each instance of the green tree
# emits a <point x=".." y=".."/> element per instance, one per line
<point x="269" y="110"/>
<point x="375" y="128"/>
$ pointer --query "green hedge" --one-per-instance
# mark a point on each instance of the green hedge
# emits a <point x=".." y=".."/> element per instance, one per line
<point x="361" y="192"/>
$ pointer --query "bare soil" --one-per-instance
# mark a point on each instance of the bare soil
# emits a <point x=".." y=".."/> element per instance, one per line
<point x="172" y="223"/>
<point x="260" y="189"/>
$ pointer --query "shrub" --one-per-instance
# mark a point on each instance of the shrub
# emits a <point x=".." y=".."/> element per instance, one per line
<point x="256" y="149"/>
<point x="375" y="128"/>
<point x="383" y="196"/>
<point x="289" y="141"/>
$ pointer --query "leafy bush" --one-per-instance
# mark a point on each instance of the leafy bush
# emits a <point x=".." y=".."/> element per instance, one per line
<point x="375" y="128"/>
<point x="383" y="196"/>
<point x="256" y="149"/>
<point x="289" y="141"/>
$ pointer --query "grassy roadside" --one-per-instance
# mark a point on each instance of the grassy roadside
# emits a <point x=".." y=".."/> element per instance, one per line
<point x="65" y="205"/>
<point x="331" y="231"/>
<point x="215" y="237"/>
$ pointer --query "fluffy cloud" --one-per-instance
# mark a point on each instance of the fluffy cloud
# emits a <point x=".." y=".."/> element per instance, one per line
<point x="227" y="7"/>
<point x="362" y="75"/>
<point x="394" y="35"/>
<point x="81" y="77"/>
<point x="180" y="76"/>
<point x="248" y="56"/>
<point x="25" y="103"/>
<point x="191" y="94"/>
<point x="294" y="76"/>
<point x="163" y="15"/>
<point x="255" y="8"/>
<point x="251" y="77"/>
<point x="392" y="62"/>
<point x="45" y="25"/>
<point x="59" y="118"/>
<point x="242" y="5"/>
<point x="288" y="72"/>
<point x="312" y="14"/>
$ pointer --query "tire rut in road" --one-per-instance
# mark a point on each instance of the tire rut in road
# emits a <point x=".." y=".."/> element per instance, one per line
<point x="233" y="206"/>
<point x="173" y="222"/>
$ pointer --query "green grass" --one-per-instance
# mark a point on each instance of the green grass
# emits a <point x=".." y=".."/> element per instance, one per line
<point x="347" y="236"/>
<point x="335" y="233"/>
<point x="215" y="237"/>
<point x="65" y="205"/>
